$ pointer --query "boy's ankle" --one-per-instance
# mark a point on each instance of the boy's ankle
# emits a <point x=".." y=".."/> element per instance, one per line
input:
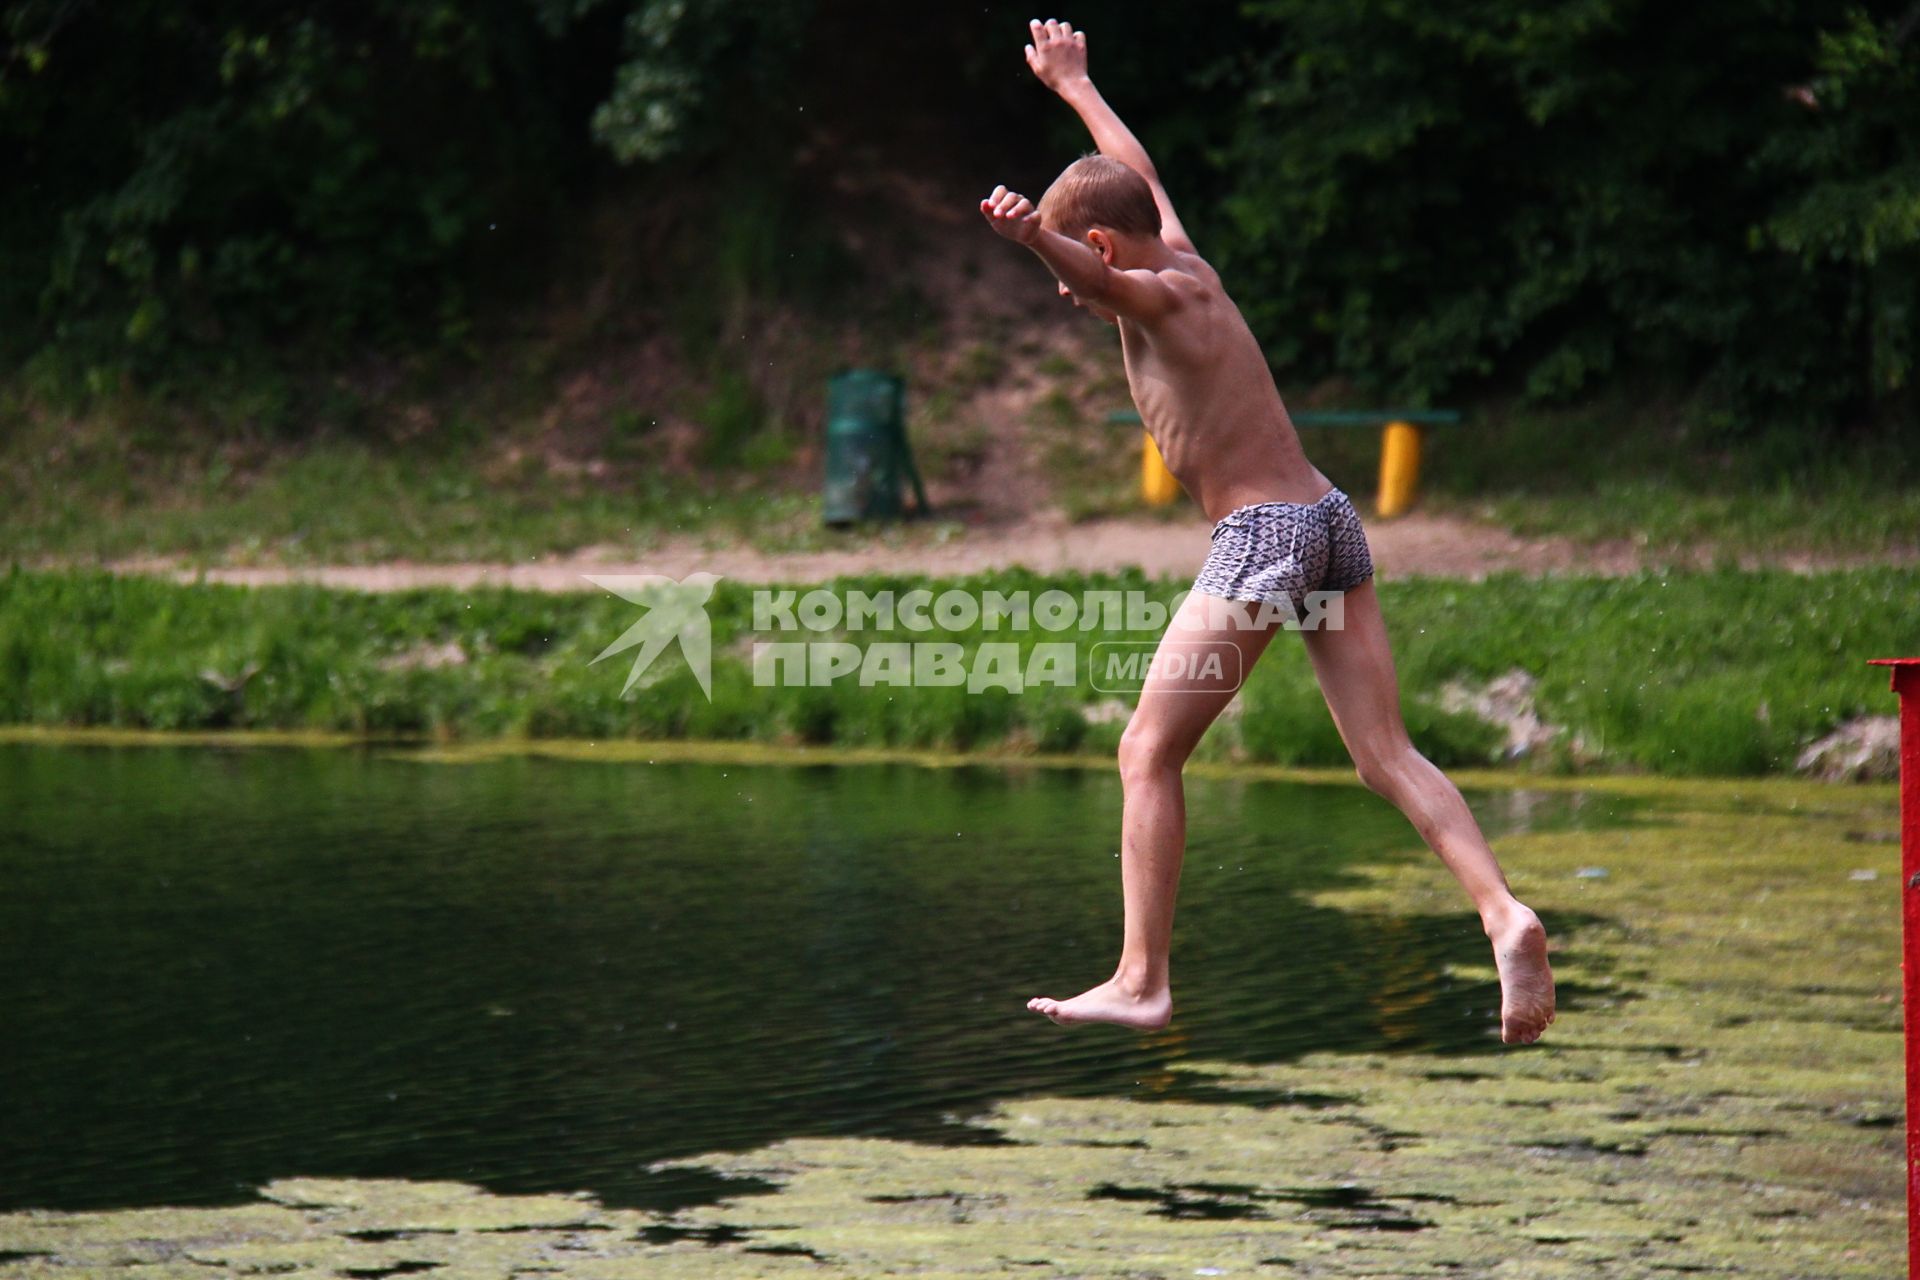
<point x="1138" y="980"/>
<point x="1503" y="916"/>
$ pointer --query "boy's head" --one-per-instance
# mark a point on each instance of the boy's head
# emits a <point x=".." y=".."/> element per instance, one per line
<point x="1099" y="193"/>
<point x="1103" y="203"/>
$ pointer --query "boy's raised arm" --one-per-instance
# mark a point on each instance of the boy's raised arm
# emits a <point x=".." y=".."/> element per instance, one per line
<point x="1138" y="295"/>
<point x="1058" y="56"/>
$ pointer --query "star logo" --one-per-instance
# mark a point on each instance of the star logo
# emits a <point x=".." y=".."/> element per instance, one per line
<point x="675" y="611"/>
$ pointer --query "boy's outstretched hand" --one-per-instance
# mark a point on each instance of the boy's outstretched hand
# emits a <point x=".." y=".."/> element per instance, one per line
<point x="1058" y="54"/>
<point x="1012" y="215"/>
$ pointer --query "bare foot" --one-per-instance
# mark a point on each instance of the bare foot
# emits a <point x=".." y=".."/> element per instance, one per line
<point x="1526" y="981"/>
<point x="1147" y="1010"/>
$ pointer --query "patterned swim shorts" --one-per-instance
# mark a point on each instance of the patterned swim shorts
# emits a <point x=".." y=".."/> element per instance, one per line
<point x="1276" y="551"/>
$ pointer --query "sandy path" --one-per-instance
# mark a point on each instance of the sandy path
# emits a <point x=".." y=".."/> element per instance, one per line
<point x="1414" y="545"/>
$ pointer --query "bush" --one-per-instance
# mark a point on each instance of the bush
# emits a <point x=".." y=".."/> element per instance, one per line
<point x="1423" y="198"/>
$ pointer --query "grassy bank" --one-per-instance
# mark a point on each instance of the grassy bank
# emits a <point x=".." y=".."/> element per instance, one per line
<point x="491" y="479"/>
<point x="84" y="495"/>
<point x="1699" y="1108"/>
<point x="1658" y="475"/>
<point x="1720" y="673"/>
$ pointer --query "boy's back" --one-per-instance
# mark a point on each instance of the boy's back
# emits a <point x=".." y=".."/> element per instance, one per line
<point x="1205" y="391"/>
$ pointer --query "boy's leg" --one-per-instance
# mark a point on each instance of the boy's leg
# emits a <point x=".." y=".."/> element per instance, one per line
<point x="1355" y="667"/>
<point x="1180" y="699"/>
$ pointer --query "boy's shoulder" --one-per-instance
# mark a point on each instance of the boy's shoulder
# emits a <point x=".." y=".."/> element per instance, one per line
<point x="1200" y="300"/>
<point x="1189" y="262"/>
<point x="1191" y="274"/>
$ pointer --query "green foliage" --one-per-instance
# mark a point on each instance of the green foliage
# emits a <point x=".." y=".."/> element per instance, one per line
<point x="1709" y="673"/>
<point x="1851" y="168"/>
<point x="202" y="188"/>
<point x="731" y="413"/>
<point x="216" y="176"/>
<point x="1425" y="198"/>
<point x="673" y="50"/>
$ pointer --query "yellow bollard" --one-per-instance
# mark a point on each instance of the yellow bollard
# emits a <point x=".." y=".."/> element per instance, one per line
<point x="1157" y="485"/>
<point x="1399" y="468"/>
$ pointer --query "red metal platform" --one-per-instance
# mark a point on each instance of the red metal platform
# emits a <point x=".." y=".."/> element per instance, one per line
<point x="1906" y="683"/>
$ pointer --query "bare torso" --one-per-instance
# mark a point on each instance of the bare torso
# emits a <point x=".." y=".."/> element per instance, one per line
<point x="1207" y="397"/>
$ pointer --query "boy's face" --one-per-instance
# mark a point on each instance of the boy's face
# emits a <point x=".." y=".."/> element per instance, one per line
<point x="1098" y="313"/>
<point x="1101" y="243"/>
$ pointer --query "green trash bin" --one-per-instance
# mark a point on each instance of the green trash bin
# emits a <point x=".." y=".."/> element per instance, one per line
<point x="867" y="452"/>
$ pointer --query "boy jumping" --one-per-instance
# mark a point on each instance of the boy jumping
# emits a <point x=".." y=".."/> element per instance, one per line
<point x="1107" y="231"/>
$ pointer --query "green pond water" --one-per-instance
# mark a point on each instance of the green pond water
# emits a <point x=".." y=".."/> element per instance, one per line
<point x="226" y="966"/>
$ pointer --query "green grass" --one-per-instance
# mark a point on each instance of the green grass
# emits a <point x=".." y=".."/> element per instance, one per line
<point x="1717" y="673"/>
<point x="1615" y="470"/>
<point x="1657" y="475"/>
<point x="1843" y="515"/>
<point x="129" y="482"/>
<point x="346" y="501"/>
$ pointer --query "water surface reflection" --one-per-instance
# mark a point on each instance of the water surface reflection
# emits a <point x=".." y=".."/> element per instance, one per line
<point x="231" y="966"/>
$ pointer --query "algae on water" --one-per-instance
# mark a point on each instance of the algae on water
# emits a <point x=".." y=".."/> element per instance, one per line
<point x="1721" y="1096"/>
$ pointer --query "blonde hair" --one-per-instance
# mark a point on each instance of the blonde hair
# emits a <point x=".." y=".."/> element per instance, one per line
<point x="1098" y="191"/>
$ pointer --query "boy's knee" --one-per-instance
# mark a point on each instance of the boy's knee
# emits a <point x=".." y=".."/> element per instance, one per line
<point x="1374" y="776"/>
<point x="1145" y="751"/>
<point x="1386" y="775"/>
